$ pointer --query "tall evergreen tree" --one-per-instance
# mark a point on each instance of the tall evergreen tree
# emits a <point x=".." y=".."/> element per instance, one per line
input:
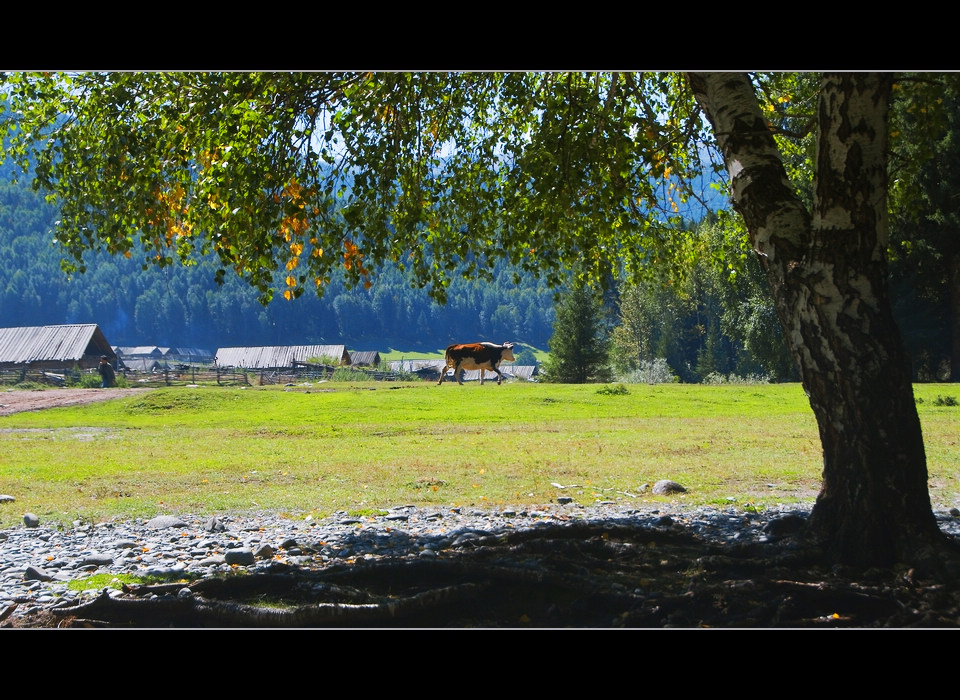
<point x="579" y="348"/>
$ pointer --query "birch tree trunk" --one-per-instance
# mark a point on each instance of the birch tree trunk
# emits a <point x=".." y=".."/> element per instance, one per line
<point x="827" y="269"/>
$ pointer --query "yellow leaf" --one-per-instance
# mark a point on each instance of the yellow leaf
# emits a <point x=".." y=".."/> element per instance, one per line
<point x="287" y="294"/>
<point x="291" y="281"/>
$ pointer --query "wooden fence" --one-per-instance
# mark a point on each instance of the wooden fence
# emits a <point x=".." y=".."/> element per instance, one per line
<point x="306" y="372"/>
<point x="173" y="376"/>
<point x="182" y="375"/>
<point x="37" y="376"/>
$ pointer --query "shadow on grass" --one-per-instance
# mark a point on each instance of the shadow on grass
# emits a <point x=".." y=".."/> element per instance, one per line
<point x="652" y="571"/>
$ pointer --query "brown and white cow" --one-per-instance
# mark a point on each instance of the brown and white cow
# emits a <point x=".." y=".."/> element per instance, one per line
<point x="482" y="356"/>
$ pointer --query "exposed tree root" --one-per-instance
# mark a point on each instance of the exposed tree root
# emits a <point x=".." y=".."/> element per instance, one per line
<point x="576" y="575"/>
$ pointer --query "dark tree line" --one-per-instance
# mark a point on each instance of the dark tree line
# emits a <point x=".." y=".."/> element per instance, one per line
<point x="183" y="306"/>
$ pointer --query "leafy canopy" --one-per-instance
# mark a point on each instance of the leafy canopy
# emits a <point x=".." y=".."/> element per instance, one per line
<point x="286" y="176"/>
<point x="283" y="177"/>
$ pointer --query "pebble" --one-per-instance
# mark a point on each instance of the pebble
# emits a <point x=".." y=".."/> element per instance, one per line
<point x="37" y="563"/>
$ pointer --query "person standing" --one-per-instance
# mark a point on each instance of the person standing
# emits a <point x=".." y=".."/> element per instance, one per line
<point x="107" y="376"/>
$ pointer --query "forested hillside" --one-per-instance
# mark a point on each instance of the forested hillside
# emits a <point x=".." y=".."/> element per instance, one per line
<point x="180" y="306"/>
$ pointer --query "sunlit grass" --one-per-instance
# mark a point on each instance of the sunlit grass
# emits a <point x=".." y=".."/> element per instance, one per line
<point x="313" y="450"/>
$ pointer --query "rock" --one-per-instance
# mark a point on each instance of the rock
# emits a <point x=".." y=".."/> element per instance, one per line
<point x="563" y="500"/>
<point x="955" y="512"/>
<point x="665" y="487"/>
<point x="240" y="556"/>
<point x="162" y="521"/>
<point x="4" y="498"/>
<point x="164" y="571"/>
<point x="31" y="520"/>
<point x="213" y="560"/>
<point x="32" y="573"/>
<point x="264" y="552"/>
<point x="95" y="559"/>
<point x="214" y="525"/>
<point x="784" y="526"/>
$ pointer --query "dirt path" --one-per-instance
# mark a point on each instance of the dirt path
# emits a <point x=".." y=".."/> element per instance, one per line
<point x="32" y="400"/>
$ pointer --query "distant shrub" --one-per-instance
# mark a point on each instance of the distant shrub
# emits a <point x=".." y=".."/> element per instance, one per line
<point x="324" y="360"/>
<point x="718" y="378"/>
<point x="89" y="380"/>
<point x="614" y="390"/>
<point x="651" y="372"/>
<point x="945" y="401"/>
<point x="92" y="380"/>
<point x="348" y="374"/>
<point x="33" y="386"/>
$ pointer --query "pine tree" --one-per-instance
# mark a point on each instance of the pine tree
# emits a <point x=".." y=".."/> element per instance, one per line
<point x="579" y="347"/>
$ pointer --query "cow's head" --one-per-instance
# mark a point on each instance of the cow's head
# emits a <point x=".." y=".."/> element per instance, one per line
<point x="508" y="353"/>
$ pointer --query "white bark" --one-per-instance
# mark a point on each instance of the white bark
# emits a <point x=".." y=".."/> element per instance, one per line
<point x="827" y="269"/>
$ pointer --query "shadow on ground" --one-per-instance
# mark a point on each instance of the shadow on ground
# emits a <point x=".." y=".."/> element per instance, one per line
<point x="578" y="574"/>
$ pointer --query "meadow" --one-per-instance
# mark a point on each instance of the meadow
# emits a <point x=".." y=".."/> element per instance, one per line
<point x="313" y="450"/>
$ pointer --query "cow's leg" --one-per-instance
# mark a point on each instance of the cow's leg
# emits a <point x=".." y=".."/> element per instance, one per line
<point x="499" y="375"/>
<point x="456" y="373"/>
<point x="481" y="376"/>
<point x="443" y="373"/>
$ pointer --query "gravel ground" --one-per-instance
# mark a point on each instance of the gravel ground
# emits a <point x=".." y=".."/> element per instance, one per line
<point x="658" y="567"/>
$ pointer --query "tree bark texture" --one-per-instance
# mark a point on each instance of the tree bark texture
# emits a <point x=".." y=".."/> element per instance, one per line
<point x="827" y="269"/>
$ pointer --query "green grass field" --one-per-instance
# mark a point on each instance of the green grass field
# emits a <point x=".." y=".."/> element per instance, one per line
<point x="355" y="447"/>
